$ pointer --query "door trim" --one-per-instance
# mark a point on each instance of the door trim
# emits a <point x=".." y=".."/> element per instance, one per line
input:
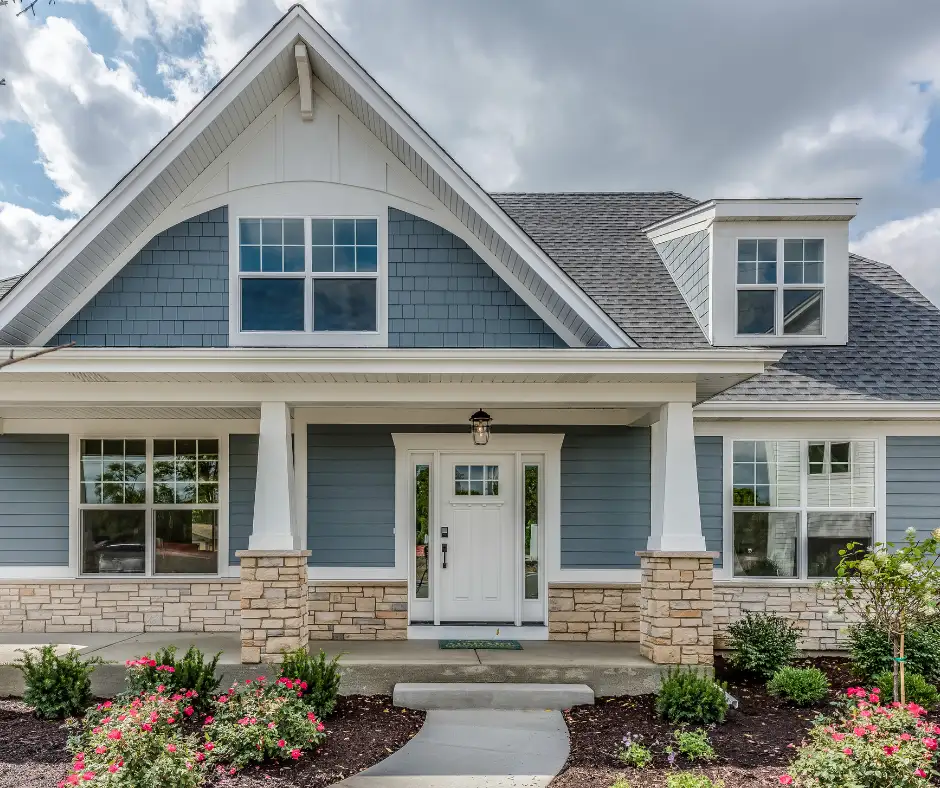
<point x="432" y="446"/>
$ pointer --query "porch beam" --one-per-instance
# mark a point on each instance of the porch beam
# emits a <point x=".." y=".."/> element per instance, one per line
<point x="274" y="525"/>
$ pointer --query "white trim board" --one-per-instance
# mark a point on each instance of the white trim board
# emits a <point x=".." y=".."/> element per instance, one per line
<point x="471" y="632"/>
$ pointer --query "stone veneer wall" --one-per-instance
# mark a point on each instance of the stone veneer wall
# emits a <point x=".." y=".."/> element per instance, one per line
<point x="594" y="612"/>
<point x="120" y="606"/>
<point x="358" y="611"/>
<point x="808" y="606"/>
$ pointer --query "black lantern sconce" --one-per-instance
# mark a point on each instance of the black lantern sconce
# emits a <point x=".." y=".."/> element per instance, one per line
<point x="480" y="427"/>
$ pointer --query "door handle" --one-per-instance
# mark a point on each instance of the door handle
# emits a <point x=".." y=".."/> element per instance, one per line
<point x="444" y="555"/>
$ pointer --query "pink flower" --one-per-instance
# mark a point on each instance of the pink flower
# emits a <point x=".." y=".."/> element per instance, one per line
<point x="320" y="727"/>
<point x="303" y="685"/>
<point x="270" y="725"/>
<point x="905" y="737"/>
<point x="785" y="779"/>
<point x="253" y="720"/>
<point x="114" y="734"/>
<point x="847" y="751"/>
<point x="281" y="743"/>
<point x="171" y="720"/>
<point x="209" y="746"/>
<point x="242" y="721"/>
<point x="209" y="720"/>
<point x="920" y="773"/>
<point x="930" y="744"/>
<point x="171" y="748"/>
<point x="311" y="716"/>
<point x="188" y="711"/>
<point x="113" y="768"/>
<point x="89" y="775"/>
<point x="200" y="757"/>
<point x="223" y="698"/>
<point x="161" y="688"/>
<point x="80" y="756"/>
<point x="838" y="736"/>
<point x="106" y="705"/>
<point x="295" y="754"/>
<point x="146" y="727"/>
<point x="101" y="749"/>
<point x="189" y="693"/>
<point x="890" y="750"/>
<point x="858" y="732"/>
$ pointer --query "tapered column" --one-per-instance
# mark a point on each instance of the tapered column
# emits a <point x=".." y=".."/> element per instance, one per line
<point x="274" y="526"/>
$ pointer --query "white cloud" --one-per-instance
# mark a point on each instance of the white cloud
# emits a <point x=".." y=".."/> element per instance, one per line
<point x="910" y="245"/>
<point x="25" y="236"/>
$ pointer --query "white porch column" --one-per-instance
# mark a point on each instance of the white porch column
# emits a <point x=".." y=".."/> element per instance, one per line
<point x="274" y="526"/>
<point x="676" y="520"/>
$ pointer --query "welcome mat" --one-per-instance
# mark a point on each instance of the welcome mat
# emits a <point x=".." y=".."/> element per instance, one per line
<point x="495" y="645"/>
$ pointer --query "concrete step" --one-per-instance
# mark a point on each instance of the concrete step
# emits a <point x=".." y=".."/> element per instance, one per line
<point x="521" y="697"/>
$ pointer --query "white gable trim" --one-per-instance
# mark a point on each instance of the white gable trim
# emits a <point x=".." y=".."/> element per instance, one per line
<point x="296" y="23"/>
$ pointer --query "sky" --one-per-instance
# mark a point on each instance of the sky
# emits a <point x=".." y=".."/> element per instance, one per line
<point x="725" y="98"/>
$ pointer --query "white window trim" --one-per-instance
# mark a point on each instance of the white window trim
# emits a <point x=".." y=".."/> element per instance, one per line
<point x="778" y="288"/>
<point x="754" y="433"/>
<point x="149" y="434"/>
<point x="308" y="337"/>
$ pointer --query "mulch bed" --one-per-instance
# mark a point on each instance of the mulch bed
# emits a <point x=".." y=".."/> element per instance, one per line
<point x="754" y="745"/>
<point x="361" y="732"/>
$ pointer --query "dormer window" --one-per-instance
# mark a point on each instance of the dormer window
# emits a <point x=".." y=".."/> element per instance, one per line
<point x="775" y="299"/>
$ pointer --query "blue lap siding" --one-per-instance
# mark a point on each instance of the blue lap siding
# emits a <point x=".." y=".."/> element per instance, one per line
<point x="242" y="474"/>
<point x="912" y="480"/>
<point x="709" y="460"/>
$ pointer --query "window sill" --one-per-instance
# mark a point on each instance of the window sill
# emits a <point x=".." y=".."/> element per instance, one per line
<point x="780" y="582"/>
<point x="301" y="339"/>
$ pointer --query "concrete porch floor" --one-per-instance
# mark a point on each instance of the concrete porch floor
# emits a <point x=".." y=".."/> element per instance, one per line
<point x="369" y="667"/>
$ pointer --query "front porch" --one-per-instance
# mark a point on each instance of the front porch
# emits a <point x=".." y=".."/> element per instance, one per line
<point x="369" y="667"/>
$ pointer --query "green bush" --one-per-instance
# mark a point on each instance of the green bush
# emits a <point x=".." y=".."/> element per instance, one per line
<point x="761" y="643"/>
<point x="322" y="677"/>
<point x="621" y="782"/>
<point x="193" y="672"/>
<point x="56" y="686"/>
<point x="872" y="655"/>
<point x="916" y="688"/>
<point x="799" y="686"/>
<point x="690" y="780"/>
<point x="632" y="753"/>
<point x="689" y="698"/>
<point x="694" y="745"/>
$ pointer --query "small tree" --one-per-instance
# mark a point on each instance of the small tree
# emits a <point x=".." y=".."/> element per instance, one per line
<point x="894" y="590"/>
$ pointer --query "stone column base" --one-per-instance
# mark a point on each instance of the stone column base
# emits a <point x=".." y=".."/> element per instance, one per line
<point x="274" y="614"/>
<point x="676" y="607"/>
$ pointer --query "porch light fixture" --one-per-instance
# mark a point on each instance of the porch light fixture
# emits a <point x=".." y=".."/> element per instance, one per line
<point x="480" y="427"/>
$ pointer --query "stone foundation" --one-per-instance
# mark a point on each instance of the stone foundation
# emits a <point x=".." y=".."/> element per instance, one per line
<point x="358" y="611"/>
<point x="118" y="605"/>
<point x="273" y="603"/>
<point x="608" y="611"/>
<point x="808" y="606"/>
<point x="676" y="598"/>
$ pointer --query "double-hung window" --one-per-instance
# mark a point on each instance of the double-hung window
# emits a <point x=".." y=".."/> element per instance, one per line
<point x="796" y="504"/>
<point x="149" y="507"/>
<point x="308" y="275"/>
<point x="775" y="299"/>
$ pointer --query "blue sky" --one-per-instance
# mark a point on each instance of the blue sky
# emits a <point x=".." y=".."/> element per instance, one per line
<point x="726" y="98"/>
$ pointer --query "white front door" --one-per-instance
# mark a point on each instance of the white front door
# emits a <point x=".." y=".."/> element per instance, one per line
<point x="477" y="578"/>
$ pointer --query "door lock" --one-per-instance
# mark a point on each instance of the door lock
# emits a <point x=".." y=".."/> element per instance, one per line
<point x="444" y="532"/>
<point x="444" y="556"/>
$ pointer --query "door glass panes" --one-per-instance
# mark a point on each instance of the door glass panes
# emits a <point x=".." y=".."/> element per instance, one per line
<point x="186" y="541"/>
<point x="766" y="473"/>
<point x="765" y="543"/>
<point x="476" y="480"/>
<point x="185" y="471"/>
<point x="830" y="532"/>
<point x="422" y="525"/>
<point x="113" y="541"/>
<point x="532" y="532"/>
<point x="113" y="472"/>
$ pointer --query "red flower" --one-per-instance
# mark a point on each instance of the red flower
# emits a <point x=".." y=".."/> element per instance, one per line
<point x="281" y="743"/>
<point x="114" y="734"/>
<point x="890" y="750"/>
<point x="146" y="727"/>
<point x="113" y="768"/>
<point x="209" y="720"/>
<point x="270" y="725"/>
<point x="847" y="751"/>
<point x="200" y="757"/>
<point x="786" y="779"/>
<point x="209" y="746"/>
<point x="171" y="748"/>
<point x="188" y="711"/>
<point x="860" y="732"/>
<point x="930" y="744"/>
<point x="101" y="749"/>
<point x="88" y="775"/>
<point x="106" y="705"/>
<point x="920" y="773"/>
<point x="905" y="737"/>
<point x="295" y="754"/>
<point x="838" y="736"/>
<point x="320" y="727"/>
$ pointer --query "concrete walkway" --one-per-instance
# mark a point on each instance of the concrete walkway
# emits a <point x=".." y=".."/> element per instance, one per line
<point x="475" y="749"/>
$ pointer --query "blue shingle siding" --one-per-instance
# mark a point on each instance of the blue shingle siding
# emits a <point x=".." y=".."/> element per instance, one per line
<point x="350" y="495"/>
<point x="442" y="294"/>
<point x="912" y="495"/>
<point x="242" y="473"/>
<point x="173" y="293"/>
<point x="686" y="259"/>
<point x="709" y="459"/>
<point x="34" y="500"/>
<point x="605" y="497"/>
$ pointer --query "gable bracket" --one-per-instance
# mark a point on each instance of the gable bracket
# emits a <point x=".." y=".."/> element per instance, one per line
<point x="305" y="77"/>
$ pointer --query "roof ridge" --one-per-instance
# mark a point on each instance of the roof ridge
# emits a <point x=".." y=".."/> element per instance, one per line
<point x="577" y="193"/>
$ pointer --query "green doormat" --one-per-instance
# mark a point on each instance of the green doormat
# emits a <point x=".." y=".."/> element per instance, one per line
<point x="496" y="645"/>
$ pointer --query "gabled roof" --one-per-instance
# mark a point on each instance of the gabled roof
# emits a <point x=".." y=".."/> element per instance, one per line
<point x="91" y="252"/>
<point x="6" y="285"/>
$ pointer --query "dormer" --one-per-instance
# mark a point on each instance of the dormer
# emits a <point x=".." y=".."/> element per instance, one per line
<point x="765" y="271"/>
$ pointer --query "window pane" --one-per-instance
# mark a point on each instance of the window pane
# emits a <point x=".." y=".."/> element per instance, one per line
<point x="322" y="232"/>
<point x="830" y="532"/>
<point x="793" y="250"/>
<point x="851" y="480"/>
<point x="765" y="544"/>
<point x="747" y="250"/>
<point x="272" y="258"/>
<point x="840" y="454"/>
<point x="250" y="258"/>
<point x="766" y="473"/>
<point x="273" y="305"/>
<point x="366" y="232"/>
<point x="293" y="259"/>
<point x="793" y="273"/>
<point x="812" y="273"/>
<point x="113" y="541"/>
<point x="747" y="273"/>
<point x="422" y="524"/>
<point x="756" y="312"/>
<point x="344" y="305"/>
<point x="249" y="231"/>
<point x="813" y="249"/>
<point x="271" y="232"/>
<point x="817" y="458"/>
<point x="767" y="273"/>
<point x="531" y="548"/>
<point x="322" y="258"/>
<point x="294" y="232"/>
<point x="367" y="258"/>
<point x="91" y="471"/>
<point x="344" y="232"/>
<point x="345" y="258"/>
<point x="767" y="251"/>
<point x="186" y="542"/>
<point x="802" y="312"/>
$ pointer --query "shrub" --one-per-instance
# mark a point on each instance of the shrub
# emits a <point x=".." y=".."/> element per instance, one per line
<point x="868" y="746"/>
<point x="872" y="653"/>
<point x="918" y="689"/>
<point x="632" y="753"/>
<point x="135" y="744"/>
<point x="621" y="782"/>
<point x="694" y="745"/>
<point x="56" y="686"/>
<point x="254" y="722"/>
<point x="322" y="677"/>
<point x="799" y="686"/>
<point x="689" y="698"/>
<point x="691" y="780"/>
<point x="761" y="644"/>
<point x="192" y="672"/>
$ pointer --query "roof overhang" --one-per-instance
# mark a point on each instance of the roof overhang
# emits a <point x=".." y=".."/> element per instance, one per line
<point x="815" y="410"/>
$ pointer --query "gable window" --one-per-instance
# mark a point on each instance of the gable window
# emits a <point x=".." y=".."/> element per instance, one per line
<point x="309" y="275"/>
<point x="795" y="504"/>
<point x="775" y="299"/>
<point x="149" y="507"/>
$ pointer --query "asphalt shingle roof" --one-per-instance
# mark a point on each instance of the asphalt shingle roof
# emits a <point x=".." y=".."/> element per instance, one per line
<point x="597" y="240"/>
<point x="6" y="285"/>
